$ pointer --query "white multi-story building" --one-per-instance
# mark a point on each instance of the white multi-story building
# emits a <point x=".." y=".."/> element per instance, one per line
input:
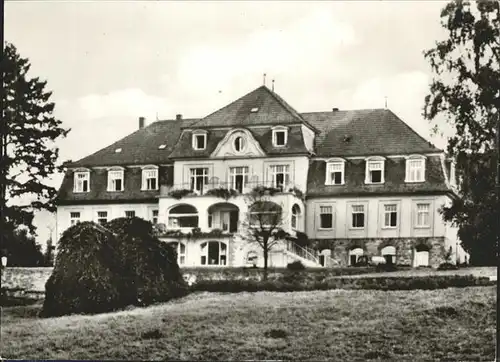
<point x="358" y="182"/>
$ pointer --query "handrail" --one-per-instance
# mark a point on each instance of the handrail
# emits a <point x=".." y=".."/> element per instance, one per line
<point x="303" y="252"/>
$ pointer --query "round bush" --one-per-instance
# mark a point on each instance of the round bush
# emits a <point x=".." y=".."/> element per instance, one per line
<point x="104" y="268"/>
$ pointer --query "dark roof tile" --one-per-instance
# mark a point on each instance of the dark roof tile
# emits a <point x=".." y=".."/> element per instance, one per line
<point x="98" y="186"/>
<point x="394" y="179"/>
<point x="140" y="147"/>
<point x="370" y="132"/>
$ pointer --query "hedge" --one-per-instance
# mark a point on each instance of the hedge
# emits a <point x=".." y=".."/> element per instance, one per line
<point x="294" y="282"/>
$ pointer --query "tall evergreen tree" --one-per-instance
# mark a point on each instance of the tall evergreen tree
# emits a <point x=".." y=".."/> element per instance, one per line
<point x="465" y="92"/>
<point x="29" y="132"/>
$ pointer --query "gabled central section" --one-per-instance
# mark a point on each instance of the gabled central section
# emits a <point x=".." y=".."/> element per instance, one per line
<point x="259" y="107"/>
<point x="238" y="143"/>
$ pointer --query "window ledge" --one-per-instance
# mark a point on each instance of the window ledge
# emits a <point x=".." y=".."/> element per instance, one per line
<point x="356" y="228"/>
<point x="374" y="183"/>
<point x="328" y="184"/>
<point x="389" y="227"/>
<point x="81" y="192"/>
<point x="422" y="227"/>
<point x="414" y="182"/>
<point x="325" y="229"/>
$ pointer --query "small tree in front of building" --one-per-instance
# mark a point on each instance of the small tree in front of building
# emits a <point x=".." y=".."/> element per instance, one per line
<point x="264" y="223"/>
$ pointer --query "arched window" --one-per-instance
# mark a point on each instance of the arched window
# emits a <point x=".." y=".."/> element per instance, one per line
<point x="265" y="214"/>
<point x="295" y="216"/>
<point x="421" y="255"/>
<point x="389" y="253"/>
<point x="180" y="248"/>
<point x="239" y="143"/>
<point x="213" y="253"/>
<point x="354" y="255"/>
<point x="183" y="216"/>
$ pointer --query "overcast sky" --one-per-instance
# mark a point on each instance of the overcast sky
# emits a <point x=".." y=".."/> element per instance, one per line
<point x="108" y="63"/>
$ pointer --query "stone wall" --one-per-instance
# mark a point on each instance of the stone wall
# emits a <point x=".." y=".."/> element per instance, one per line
<point x="405" y="248"/>
<point x="25" y="282"/>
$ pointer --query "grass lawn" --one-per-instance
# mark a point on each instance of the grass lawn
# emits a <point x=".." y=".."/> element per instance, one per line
<point x="448" y="324"/>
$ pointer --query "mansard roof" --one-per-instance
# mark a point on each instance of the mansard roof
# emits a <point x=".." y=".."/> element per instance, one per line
<point x="339" y="133"/>
<point x="365" y="132"/>
<point x="144" y="146"/>
<point x="395" y="172"/>
<point x="132" y="181"/>
<point x="295" y="144"/>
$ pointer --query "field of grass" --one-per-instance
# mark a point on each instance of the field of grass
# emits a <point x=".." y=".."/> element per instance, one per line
<point x="476" y="271"/>
<point x="449" y="324"/>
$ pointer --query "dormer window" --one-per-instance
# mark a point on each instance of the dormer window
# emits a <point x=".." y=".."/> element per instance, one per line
<point x="199" y="141"/>
<point x="375" y="170"/>
<point x="115" y="179"/>
<point x="280" y="136"/>
<point x="335" y="172"/>
<point x="81" y="181"/>
<point x="415" y="169"/>
<point x="150" y="178"/>
<point x="239" y="144"/>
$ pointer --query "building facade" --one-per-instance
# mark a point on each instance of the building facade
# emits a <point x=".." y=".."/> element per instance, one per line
<point x="356" y="183"/>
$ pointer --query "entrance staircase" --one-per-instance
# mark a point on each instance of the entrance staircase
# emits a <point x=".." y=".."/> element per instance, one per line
<point x="307" y="256"/>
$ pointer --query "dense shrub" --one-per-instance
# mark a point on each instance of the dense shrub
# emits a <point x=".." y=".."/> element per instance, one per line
<point x="447" y="266"/>
<point x="296" y="265"/>
<point x="103" y="268"/>
<point x="287" y="284"/>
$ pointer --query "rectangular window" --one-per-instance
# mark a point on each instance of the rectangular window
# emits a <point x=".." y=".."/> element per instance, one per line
<point x="115" y="180"/>
<point x="279" y="138"/>
<point x="81" y="181"/>
<point x="150" y="179"/>
<point x="238" y="178"/>
<point x="199" y="179"/>
<point x="375" y="171"/>
<point x="423" y="215"/>
<point x="199" y="141"/>
<point x="358" y="216"/>
<point x="390" y="215"/>
<point x="415" y="170"/>
<point x="154" y="216"/>
<point x="280" y="176"/>
<point x="335" y="173"/>
<point x="325" y="217"/>
<point x="102" y="217"/>
<point x="74" y="218"/>
<point x="130" y="213"/>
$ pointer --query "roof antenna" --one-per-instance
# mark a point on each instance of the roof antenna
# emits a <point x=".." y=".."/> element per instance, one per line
<point x="385" y="102"/>
<point x="273" y="86"/>
<point x="156" y="115"/>
<point x="264" y="78"/>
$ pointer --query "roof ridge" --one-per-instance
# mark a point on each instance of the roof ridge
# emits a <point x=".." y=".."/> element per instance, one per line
<point x="227" y="105"/>
<point x="345" y="110"/>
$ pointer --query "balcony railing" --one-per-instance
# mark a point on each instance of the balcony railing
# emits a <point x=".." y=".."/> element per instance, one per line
<point x="214" y="183"/>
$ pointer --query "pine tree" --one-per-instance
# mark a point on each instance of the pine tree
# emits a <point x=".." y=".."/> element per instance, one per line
<point x="29" y="132"/>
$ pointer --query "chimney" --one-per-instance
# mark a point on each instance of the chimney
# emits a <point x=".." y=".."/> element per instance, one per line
<point x="335" y="109"/>
<point x="142" y="121"/>
<point x="178" y="117"/>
